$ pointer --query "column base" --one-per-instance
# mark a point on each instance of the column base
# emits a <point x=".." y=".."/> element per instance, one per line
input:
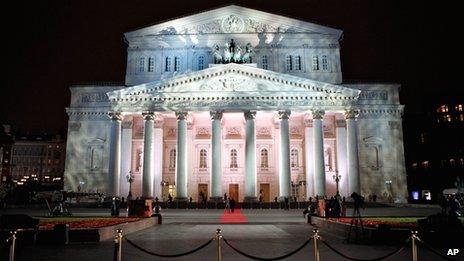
<point x="216" y="199"/>
<point x="181" y="199"/>
<point x="250" y="199"/>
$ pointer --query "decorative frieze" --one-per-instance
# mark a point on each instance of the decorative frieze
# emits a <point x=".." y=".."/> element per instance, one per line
<point x="373" y="95"/>
<point x="233" y="131"/>
<point x="91" y="97"/>
<point x="203" y="131"/>
<point x="263" y="132"/>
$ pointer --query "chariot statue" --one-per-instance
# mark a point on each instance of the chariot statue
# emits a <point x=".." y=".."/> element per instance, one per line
<point x="232" y="53"/>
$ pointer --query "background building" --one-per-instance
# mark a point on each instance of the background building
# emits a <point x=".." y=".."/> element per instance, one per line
<point x="6" y="145"/>
<point x="39" y="159"/>
<point x="435" y="146"/>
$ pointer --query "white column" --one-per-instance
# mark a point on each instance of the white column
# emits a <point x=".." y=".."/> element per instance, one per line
<point x="285" y="171"/>
<point x="250" y="156"/>
<point x="126" y="156"/>
<point x="341" y="157"/>
<point x="148" y="155"/>
<point x="352" y="152"/>
<point x="216" y="156"/>
<point x="158" y="158"/>
<point x="309" y="157"/>
<point x="319" y="166"/>
<point x="181" y="159"/>
<point x="114" y="169"/>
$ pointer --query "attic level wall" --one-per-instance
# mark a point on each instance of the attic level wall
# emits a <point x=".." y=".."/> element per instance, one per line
<point x="312" y="56"/>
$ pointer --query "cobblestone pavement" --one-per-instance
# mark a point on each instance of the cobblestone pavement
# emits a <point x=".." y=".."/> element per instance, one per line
<point x="269" y="233"/>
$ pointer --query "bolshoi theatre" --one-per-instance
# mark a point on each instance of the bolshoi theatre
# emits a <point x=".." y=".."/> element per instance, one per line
<point x="238" y="101"/>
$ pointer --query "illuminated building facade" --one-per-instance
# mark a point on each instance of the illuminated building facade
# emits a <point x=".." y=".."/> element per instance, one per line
<point x="236" y="101"/>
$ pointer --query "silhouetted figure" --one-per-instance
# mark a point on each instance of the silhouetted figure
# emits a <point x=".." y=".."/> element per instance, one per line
<point x="115" y="207"/>
<point x="275" y="199"/>
<point x="287" y="204"/>
<point x="232" y="204"/>
<point x="310" y="200"/>
<point x="225" y="197"/>
<point x="156" y="200"/>
<point x="190" y="200"/>
<point x="374" y="198"/>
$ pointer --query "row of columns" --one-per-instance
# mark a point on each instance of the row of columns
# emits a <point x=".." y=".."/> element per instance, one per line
<point x="316" y="155"/>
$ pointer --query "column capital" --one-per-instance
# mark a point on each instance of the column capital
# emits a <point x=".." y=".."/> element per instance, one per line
<point x="318" y="114"/>
<point x="284" y="114"/>
<point x="115" y="116"/>
<point x="127" y="124"/>
<point x="351" y="114"/>
<point x="250" y="115"/>
<point x="216" y="115"/>
<point x="181" y="115"/>
<point x="148" y="115"/>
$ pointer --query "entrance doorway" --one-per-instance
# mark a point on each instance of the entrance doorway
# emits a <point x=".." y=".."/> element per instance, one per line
<point x="202" y="192"/>
<point x="264" y="191"/>
<point x="233" y="191"/>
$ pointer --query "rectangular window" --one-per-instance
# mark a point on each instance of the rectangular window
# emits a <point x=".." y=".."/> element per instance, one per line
<point x="264" y="63"/>
<point x="176" y="64"/>
<point x="298" y="63"/>
<point x="151" y="64"/>
<point x="141" y="64"/>
<point x="167" y="66"/>
<point x="201" y="62"/>
<point x="315" y="63"/>
<point x="325" y="63"/>
<point x="289" y="63"/>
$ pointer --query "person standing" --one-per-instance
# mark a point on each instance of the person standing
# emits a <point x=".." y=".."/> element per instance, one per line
<point x="232" y="204"/>
<point x="228" y="205"/>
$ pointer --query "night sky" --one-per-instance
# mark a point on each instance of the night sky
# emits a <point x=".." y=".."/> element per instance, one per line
<point x="50" y="45"/>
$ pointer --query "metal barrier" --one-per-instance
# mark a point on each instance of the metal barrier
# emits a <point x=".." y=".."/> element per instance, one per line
<point x="218" y="237"/>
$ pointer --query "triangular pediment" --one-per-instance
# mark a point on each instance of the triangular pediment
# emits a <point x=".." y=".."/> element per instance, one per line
<point x="233" y="19"/>
<point x="232" y="82"/>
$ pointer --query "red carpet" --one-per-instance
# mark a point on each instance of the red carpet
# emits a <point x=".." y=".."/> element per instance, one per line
<point x="236" y="217"/>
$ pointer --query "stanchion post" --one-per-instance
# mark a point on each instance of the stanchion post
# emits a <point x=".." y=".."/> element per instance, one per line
<point x="316" y="248"/>
<point x="118" y="245"/>
<point x="12" y="240"/>
<point x="414" y="245"/>
<point x="218" y="239"/>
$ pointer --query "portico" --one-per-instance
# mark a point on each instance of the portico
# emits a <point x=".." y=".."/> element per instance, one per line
<point x="235" y="89"/>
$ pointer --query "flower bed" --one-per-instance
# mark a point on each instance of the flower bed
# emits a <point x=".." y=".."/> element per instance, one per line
<point x="83" y="223"/>
<point x="394" y="222"/>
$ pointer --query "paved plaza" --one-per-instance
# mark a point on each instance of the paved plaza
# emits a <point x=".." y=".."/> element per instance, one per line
<point x="267" y="233"/>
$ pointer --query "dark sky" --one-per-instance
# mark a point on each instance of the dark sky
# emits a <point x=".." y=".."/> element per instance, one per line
<point x="51" y="45"/>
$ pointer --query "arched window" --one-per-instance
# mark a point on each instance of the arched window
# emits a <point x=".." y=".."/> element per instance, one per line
<point x="294" y="158"/>
<point x="201" y="62"/>
<point x="167" y="65"/>
<point x="233" y="159"/>
<point x="264" y="159"/>
<point x="264" y="62"/>
<point x="176" y="63"/>
<point x="203" y="159"/>
<point x="172" y="158"/>
<point x="289" y="63"/>
<point x="298" y="63"/>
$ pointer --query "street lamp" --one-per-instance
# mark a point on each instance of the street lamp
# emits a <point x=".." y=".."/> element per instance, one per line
<point x="130" y="179"/>
<point x="337" y="178"/>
